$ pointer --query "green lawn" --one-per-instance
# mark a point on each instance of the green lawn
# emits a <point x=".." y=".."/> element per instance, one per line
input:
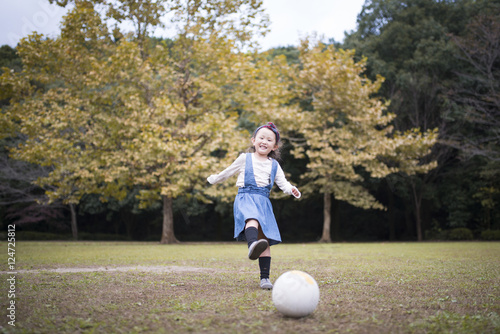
<point x="106" y="287"/>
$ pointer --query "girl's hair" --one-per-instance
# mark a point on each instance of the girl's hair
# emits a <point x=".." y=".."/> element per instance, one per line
<point x="276" y="154"/>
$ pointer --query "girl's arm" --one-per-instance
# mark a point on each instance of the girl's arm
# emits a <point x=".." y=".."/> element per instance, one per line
<point x="284" y="185"/>
<point x="229" y="171"/>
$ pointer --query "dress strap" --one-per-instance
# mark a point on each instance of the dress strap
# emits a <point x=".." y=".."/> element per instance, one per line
<point x="274" y="169"/>
<point x="249" y="176"/>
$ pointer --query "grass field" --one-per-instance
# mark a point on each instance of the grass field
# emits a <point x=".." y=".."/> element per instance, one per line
<point x="105" y="287"/>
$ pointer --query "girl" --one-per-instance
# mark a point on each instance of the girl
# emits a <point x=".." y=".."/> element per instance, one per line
<point x="254" y="219"/>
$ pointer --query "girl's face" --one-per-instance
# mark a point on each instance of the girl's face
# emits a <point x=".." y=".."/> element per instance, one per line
<point x="264" y="142"/>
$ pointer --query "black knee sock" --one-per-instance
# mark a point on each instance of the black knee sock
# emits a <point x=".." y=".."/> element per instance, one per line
<point x="265" y="266"/>
<point x="251" y="234"/>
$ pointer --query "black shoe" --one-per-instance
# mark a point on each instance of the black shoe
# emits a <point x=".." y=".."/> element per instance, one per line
<point x="257" y="248"/>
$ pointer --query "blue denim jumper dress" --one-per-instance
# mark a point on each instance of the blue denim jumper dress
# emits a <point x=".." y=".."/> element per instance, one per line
<point x="252" y="202"/>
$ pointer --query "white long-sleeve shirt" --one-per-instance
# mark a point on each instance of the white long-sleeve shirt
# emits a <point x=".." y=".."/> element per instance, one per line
<point x="262" y="174"/>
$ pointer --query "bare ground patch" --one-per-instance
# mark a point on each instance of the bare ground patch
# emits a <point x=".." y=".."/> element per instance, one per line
<point x="154" y="269"/>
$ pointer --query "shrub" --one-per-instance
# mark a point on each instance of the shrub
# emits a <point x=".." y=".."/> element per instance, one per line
<point x="461" y="233"/>
<point x="101" y="237"/>
<point x="490" y="235"/>
<point x="436" y="233"/>
<point x="41" y="236"/>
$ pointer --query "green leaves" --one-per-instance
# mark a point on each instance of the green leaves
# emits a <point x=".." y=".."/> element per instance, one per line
<point x="345" y="127"/>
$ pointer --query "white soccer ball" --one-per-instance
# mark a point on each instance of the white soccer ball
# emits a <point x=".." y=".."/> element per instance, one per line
<point x="295" y="294"/>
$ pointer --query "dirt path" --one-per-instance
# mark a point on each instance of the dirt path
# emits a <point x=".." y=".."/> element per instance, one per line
<point x="156" y="269"/>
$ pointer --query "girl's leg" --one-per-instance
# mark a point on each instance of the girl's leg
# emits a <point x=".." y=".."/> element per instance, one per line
<point x="251" y="231"/>
<point x="251" y="223"/>
<point x="267" y="252"/>
<point x="256" y="245"/>
<point x="259" y="248"/>
<point x="265" y="266"/>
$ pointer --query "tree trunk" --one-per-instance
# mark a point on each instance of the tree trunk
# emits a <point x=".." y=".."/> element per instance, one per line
<point x="74" y="226"/>
<point x="327" y="219"/>
<point x="167" y="235"/>
<point x="418" y="224"/>
<point x="336" y="219"/>
<point x="417" y="202"/>
<point x="409" y="223"/>
<point x="390" y="213"/>
<point x="128" y="220"/>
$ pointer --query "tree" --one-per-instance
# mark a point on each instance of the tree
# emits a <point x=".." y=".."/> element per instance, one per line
<point x="26" y="203"/>
<point x="477" y="90"/>
<point x="347" y="131"/>
<point x="190" y="90"/>
<point x="9" y="58"/>
<point x="49" y="106"/>
<point x="475" y="105"/>
<point x="408" y="42"/>
<point x="121" y="112"/>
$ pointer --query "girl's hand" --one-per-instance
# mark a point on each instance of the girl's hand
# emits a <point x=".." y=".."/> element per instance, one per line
<point x="296" y="192"/>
